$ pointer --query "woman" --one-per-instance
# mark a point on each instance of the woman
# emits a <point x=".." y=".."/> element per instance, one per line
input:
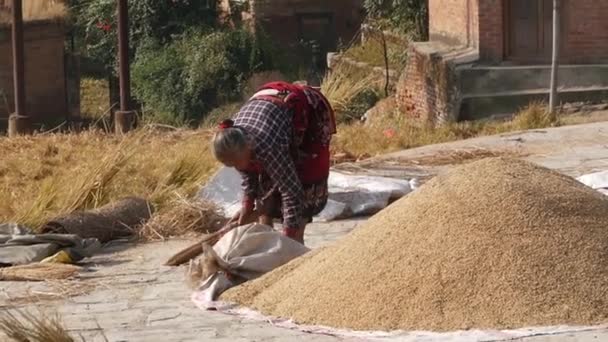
<point x="279" y="142"/>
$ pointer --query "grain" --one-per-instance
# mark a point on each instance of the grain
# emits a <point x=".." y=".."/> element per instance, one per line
<point x="497" y="243"/>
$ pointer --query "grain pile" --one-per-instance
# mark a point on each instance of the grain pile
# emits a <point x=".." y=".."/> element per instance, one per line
<point x="496" y="243"/>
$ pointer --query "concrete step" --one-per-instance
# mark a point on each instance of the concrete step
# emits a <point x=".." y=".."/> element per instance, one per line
<point x="482" y="79"/>
<point x="486" y="105"/>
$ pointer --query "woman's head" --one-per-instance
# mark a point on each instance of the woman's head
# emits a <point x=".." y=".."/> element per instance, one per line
<point x="232" y="146"/>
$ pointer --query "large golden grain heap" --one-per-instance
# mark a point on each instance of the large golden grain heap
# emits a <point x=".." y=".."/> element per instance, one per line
<point x="497" y="243"/>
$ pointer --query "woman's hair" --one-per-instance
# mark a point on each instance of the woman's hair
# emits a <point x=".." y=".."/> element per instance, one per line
<point x="229" y="141"/>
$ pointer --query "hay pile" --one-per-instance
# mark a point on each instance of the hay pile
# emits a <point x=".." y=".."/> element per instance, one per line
<point x="183" y="217"/>
<point x="496" y="243"/>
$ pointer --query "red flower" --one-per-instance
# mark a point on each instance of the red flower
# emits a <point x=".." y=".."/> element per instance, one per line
<point x="389" y="133"/>
<point x="104" y="26"/>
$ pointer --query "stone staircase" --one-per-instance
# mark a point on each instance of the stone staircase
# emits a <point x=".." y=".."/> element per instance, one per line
<point x="489" y="91"/>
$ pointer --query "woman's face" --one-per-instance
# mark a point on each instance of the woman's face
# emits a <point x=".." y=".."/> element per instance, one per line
<point x="241" y="161"/>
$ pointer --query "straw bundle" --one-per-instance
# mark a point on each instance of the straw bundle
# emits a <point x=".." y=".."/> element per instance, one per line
<point x="38" y="272"/>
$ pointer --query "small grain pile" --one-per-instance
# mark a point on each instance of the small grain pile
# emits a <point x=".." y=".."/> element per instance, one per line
<point x="497" y="243"/>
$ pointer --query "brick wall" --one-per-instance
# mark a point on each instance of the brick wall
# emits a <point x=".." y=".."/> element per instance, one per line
<point x="454" y="21"/>
<point x="278" y="17"/>
<point x="427" y="90"/>
<point x="491" y="28"/>
<point x="585" y="25"/>
<point x="44" y="71"/>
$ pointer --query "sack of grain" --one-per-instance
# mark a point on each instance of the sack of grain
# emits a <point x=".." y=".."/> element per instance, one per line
<point x="244" y="253"/>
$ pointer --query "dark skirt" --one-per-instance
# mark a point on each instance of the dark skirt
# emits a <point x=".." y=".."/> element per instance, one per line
<point x="314" y="201"/>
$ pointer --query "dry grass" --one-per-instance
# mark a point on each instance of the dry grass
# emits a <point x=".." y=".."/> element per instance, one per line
<point x="48" y="175"/>
<point x="371" y="51"/>
<point x="391" y="132"/>
<point x="21" y="326"/>
<point x="94" y="98"/>
<point x="534" y="116"/>
<point x="35" y="10"/>
<point x="183" y="216"/>
<point x="455" y="157"/>
<point x="344" y="84"/>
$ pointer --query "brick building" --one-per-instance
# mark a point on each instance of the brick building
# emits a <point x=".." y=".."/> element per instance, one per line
<point x="490" y="57"/>
<point x="289" y="21"/>
<point x="45" y="76"/>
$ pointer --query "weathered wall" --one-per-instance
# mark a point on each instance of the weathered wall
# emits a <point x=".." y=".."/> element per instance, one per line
<point x="584" y="31"/>
<point x="44" y="72"/>
<point x="454" y="21"/>
<point x="279" y="17"/>
<point x="427" y="90"/>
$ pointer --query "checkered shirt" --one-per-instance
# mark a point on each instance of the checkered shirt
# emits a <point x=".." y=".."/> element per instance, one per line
<point x="270" y="127"/>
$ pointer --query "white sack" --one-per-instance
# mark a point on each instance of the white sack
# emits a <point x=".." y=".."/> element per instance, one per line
<point x="249" y="252"/>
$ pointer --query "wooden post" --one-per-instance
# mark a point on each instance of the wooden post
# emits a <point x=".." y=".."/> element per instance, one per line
<point x="18" y="122"/>
<point x="124" y="119"/>
<point x="553" y="96"/>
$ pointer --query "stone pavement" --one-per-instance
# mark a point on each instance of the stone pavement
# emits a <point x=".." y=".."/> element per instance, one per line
<point x="129" y="296"/>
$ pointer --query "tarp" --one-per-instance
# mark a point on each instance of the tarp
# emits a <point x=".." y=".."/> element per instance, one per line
<point x="19" y="246"/>
<point x="348" y="195"/>
<point x="597" y="181"/>
<point x="472" y="335"/>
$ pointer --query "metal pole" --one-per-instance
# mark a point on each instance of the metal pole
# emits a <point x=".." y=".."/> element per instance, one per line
<point x="553" y="97"/>
<point x="124" y="119"/>
<point x="18" y="121"/>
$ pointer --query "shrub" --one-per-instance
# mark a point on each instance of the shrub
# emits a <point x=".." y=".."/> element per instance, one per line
<point x="182" y="81"/>
<point x="409" y="16"/>
<point x="149" y="20"/>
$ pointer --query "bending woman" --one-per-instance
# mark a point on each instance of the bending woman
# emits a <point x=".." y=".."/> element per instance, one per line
<point x="279" y="142"/>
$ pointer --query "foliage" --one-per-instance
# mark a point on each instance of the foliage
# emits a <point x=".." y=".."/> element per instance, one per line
<point x="410" y="16"/>
<point x="185" y="79"/>
<point x="371" y="51"/>
<point x="149" y="20"/>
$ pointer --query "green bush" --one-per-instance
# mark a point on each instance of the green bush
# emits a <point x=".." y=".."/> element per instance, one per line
<point x="407" y="16"/>
<point x="95" y="24"/>
<point x="182" y="81"/>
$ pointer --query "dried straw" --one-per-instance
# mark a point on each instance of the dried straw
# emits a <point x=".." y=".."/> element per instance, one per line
<point x="344" y="84"/>
<point x="181" y="217"/>
<point x="38" y="272"/>
<point x="28" y="327"/>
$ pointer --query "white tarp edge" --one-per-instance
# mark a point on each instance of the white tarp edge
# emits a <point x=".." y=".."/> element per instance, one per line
<point x="348" y="195"/>
<point x="403" y="336"/>
<point x="597" y="181"/>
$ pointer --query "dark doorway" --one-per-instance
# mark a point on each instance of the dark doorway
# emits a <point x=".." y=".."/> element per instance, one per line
<point x="529" y="30"/>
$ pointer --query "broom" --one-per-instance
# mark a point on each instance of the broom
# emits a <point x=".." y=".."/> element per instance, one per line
<point x="195" y="250"/>
<point x="38" y="272"/>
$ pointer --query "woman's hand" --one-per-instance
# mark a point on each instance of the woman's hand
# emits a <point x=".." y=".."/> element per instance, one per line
<point x="245" y="215"/>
